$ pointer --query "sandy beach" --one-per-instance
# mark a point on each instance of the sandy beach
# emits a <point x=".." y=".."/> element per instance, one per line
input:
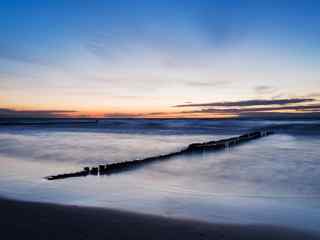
<point x="26" y="220"/>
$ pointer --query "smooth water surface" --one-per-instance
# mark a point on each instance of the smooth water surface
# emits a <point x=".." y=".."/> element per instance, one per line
<point x="272" y="180"/>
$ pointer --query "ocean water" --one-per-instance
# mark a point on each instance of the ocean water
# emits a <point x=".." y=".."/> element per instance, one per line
<point x="272" y="180"/>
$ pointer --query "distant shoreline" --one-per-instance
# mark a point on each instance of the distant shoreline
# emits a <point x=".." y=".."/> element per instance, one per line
<point x="27" y="220"/>
<point x="92" y="119"/>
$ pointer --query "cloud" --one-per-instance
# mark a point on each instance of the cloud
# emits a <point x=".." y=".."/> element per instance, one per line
<point x="248" y="103"/>
<point x="12" y="53"/>
<point x="11" y="113"/>
<point x="206" y="84"/>
<point x="314" y="95"/>
<point x="123" y="115"/>
<point x="246" y="111"/>
<point x="264" y="89"/>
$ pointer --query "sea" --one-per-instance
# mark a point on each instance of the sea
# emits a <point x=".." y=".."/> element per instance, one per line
<point x="273" y="180"/>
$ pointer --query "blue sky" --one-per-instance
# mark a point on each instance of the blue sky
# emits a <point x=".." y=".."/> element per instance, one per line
<point x="134" y="58"/>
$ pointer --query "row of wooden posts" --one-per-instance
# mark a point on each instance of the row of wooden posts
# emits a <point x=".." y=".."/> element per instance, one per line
<point x="192" y="148"/>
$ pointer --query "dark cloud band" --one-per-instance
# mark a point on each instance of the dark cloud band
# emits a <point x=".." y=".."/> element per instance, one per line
<point x="314" y="107"/>
<point x="6" y="112"/>
<point x="248" y="103"/>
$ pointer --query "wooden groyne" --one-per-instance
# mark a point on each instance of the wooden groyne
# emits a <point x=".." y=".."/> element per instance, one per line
<point x="192" y="148"/>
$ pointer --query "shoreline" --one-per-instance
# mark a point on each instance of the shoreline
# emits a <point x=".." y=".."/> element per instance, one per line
<point x="31" y="220"/>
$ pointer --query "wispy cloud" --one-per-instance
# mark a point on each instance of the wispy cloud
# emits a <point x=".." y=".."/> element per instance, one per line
<point x="313" y="107"/>
<point x="207" y="83"/>
<point x="19" y="54"/>
<point x="264" y="89"/>
<point x="314" y="95"/>
<point x="248" y="103"/>
<point x="124" y="115"/>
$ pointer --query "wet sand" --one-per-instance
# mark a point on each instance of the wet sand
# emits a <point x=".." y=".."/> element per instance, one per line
<point x="26" y="220"/>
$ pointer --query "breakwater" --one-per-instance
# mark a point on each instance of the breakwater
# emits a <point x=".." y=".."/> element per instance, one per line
<point x="105" y="169"/>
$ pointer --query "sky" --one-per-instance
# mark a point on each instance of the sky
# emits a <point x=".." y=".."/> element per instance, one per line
<point x="127" y="58"/>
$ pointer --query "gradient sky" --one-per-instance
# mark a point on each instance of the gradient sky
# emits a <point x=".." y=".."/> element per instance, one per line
<point x="147" y="58"/>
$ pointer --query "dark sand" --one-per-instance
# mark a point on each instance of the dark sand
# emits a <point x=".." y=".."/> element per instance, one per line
<point x="24" y="220"/>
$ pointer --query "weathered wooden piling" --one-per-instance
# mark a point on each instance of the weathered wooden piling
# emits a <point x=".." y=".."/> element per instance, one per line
<point x="102" y="168"/>
<point x="192" y="148"/>
<point x="94" y="171"/>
